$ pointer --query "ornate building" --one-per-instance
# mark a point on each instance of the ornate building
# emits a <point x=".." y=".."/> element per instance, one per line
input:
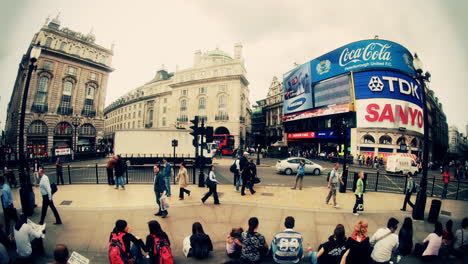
<point x="215" y="88"/>
<point x="70" y="81"/>
<point x="274" y="112"/>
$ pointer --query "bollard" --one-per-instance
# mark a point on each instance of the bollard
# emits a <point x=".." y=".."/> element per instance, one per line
<point x="97" y="175"/>
<point x="69" y="174"/>
<point x="433" y="183"/>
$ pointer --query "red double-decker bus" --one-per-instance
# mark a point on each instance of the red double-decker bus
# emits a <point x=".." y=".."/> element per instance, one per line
<point x="225" y="142"/>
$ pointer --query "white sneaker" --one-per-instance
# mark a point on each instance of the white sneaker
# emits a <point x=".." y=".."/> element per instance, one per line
<point x="356" y="214"/>
<point x="337" y="206"/>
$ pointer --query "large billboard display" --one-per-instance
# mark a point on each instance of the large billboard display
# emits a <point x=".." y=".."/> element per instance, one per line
<point x="386" y="99"/>
<point x="361" y="55"/>
<point x="387" y="84"/>
<point x="297" y="86"/>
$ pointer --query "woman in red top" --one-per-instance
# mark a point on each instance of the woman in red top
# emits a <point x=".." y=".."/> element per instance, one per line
<point x="446" y="179"/>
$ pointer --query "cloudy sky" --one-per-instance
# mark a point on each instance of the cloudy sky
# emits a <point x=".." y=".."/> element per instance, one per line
<point x="275" y="34"/>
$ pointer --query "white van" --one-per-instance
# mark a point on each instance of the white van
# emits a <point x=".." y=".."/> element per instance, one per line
<point x="401" y="164"/>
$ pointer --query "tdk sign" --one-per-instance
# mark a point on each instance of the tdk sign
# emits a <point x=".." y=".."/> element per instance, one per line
<point x="387" y="84"/>
<point x="296" y="104"/>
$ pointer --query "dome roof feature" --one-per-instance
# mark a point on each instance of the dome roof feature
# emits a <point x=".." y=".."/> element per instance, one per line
<point x="218" y="53"/>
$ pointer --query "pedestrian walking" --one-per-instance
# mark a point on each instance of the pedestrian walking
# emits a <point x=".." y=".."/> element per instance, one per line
<point x="235" y="169"/>
<point x="183" y="179"/>
<point x="359" y="193"/>
<point x="35" y="168"/>
<point x="47" y="201"/>
<point x="212" y="183"/>
<point x="446" y="179"/>
<point x="159" y="188"/>
<point x="110" y="171"/>
<point x="300" y="174"/>
<point x="245" y="174"/>
<point x="59" y="170"/>
<point x="410" y="188"/>
<point x="9" y="211"/>
<point x="335" y="177"/>
<point x="119" y="169"/>
<point x="166" y="172"/>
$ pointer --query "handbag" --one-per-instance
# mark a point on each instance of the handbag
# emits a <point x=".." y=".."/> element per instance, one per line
<point x="360" y="203"/>
<point x="209" y="183"/>
<point x="256" y="180"/>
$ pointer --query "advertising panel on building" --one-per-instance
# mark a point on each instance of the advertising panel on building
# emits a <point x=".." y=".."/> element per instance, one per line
<point x="386" y="99"/>
<point x="297" y="89"/>
<point x="362" y="55"/>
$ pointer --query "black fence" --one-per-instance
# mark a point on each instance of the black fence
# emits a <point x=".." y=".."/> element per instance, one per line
<point x="394" y="183"/>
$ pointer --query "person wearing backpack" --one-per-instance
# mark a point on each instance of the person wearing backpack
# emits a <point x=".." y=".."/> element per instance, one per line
<point x="235" y="167"/>
<point x="120" y="239"/>
<point x="158" y="244"/>
<point x="410" y="188"/>
<point x="200" y="243"/>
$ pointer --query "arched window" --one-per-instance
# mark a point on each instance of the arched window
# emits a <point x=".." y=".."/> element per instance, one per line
<point x="37" y="127"/>
<point x="414" y="143"/>
<point x="63" y="129"/>
<point x="48" y="42"/>
<point x="63" y="46"/>
<point x="150" y="115"/>
<point x="65" y="103"/>
<point x="202" y="103"/>
<point x="222" y="102"/>
<point x="368" y="139"/>
<point x="183" y="105"/>
<point x="385" y="140"/>
<point x="401" y="140"/>
<point x="87" y="130"/>
<point x="222" y="113"/>
<point x="67" y="88"/>
<point x="89" y="102"/>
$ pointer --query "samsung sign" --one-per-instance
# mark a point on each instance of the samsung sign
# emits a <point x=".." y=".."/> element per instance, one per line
<point x="360" y="55"/>
<point x="297" y="86"/>
<point x="387" y="84"/>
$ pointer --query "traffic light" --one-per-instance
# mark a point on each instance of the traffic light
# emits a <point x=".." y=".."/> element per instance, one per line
<point x="209" y="134"/>
<point x="195" y="131"/>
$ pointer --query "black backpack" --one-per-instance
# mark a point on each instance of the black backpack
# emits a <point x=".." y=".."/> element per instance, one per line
<point x="233" y="167"/>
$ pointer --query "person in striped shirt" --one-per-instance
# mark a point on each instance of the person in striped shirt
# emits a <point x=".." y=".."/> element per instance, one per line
<point x="286" y="246"/>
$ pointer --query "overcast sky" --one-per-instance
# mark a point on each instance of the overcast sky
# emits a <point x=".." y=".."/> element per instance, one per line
<point x="275" y="34"/>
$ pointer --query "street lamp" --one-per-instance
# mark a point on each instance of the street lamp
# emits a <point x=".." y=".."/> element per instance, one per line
<point x="25" y="182"/>
<point x="258" y="154"/>
<point x="420" y="205"/>
<point x="76" y="122"/>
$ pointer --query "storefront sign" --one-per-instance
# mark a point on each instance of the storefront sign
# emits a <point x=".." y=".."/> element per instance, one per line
<point x="315" y="134"/>
<point x="62" y="151"/>
<point x="297" y="85"/>
<point x="387" y="84"/>
<point x="330" y="110"/>
<point x="360" y="55"/>
<point x="389" y="113"/>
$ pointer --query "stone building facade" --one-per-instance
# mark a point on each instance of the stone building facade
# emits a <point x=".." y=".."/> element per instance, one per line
<point x="215" y="88"/>
<point x="274" y="112"/>
<point x="70" y="81"/>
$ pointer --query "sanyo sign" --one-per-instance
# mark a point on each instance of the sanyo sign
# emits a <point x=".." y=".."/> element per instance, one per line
<point x="387" y="84"/>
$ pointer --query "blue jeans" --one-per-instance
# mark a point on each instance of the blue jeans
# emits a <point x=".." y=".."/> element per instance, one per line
<point x="119" y="180"/>
<point x="238" y="183"/>
<point x="167" y="181"/>
<point x="312" y="257"/>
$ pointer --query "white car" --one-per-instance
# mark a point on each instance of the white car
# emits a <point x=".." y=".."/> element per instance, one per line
<point x="289" y="166"/>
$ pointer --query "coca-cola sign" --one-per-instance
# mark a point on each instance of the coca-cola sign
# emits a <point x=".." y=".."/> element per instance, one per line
<point x="361" y="55"/>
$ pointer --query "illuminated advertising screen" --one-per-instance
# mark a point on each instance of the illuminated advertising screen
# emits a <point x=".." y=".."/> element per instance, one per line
<point x="362" y="55"/>
<point x="297" y="86"/>
<point x="386" y="99"/>
<point x="332" y="92"/>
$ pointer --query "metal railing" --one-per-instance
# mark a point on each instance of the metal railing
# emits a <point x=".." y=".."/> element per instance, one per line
<point x="394" y="183"/>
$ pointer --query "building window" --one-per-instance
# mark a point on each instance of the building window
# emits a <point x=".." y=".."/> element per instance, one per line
<point x="41" y="94"/>
<point x="163" y="121"/>
<point x="183" y="105"/>
<point x="222" y="102"/>
<point x="202" y="90"/>
<point x="63" y="129"/>
<point x="202" y="103"/>
<point x="164" y="110"/>
<point x="93" y="76"/>
<point x="401" y="140"/>
<point x="134" y="114"/>
<point x="37" y="127"/>
<point x="184" y="92"/>
<point x="71" y="70"/>
<point x="87" y="130"/>
<point x="368" y="139"/>
<point x="89" y="102"/>
<point x="133" y="124"/>
<point x="385" y="140"/>
<point x="150" y="115"/>
<point x="165" y="100"/>
<point x="139" y="113"/>
<point x="63" y="46"/>
<point x="48" y="42"/>
<point x="414" y="143"/>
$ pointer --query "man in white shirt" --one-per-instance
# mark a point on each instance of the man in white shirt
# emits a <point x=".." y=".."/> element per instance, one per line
<point x="46" y="192"/>
<point x="385" y="242"/>
<point x="24" y="235"/>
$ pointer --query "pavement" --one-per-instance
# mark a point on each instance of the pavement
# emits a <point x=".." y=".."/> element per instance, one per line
<point x="89" y="212"/>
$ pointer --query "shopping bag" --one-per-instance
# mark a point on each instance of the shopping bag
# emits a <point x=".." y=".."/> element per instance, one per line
<point x="164" y="202"/>
<point x="360" y="201"/>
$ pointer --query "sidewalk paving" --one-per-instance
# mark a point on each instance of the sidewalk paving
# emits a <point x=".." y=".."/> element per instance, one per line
<point x="95" y="208"/>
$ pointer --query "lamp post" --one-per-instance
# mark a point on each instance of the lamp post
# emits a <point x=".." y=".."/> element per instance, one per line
<point x="25" y="182"/>
<point x="76" y="122"/>
<point x="344" y="133"/>
<point x="420" y="205"/>
<point x="258" y="154"/>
